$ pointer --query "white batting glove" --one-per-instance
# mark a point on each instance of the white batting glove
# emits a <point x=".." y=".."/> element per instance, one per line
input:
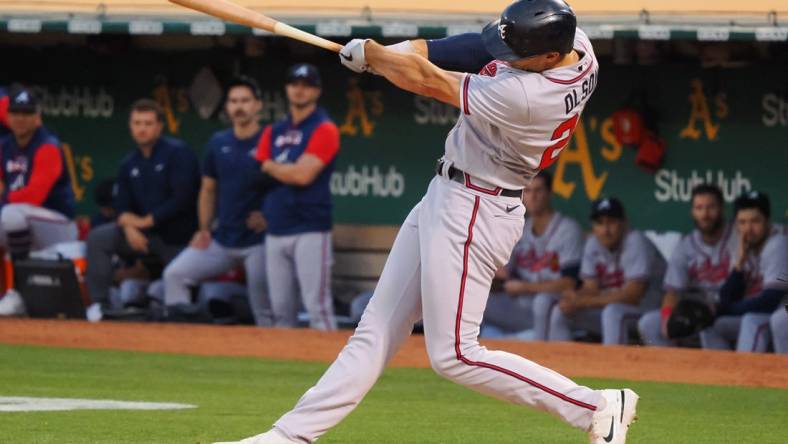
<point x="352" y="56"/>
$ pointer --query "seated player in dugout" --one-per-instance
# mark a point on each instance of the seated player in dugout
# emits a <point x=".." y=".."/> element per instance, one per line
<point x="757" y="283"/>
<point x="300" y="152"/>
<point x="698" y="266"/>
<point x="544" y="263"/>
<point x="156" y="198"/>
<point x="37" y="198"/>
<point x="622" y="274"/>
<point x="231" y="225"/>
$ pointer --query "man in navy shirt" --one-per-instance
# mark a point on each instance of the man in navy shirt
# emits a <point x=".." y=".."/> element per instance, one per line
<point x="37" y="200"/>
<point x="155" y="201"/>
<point x="300" y="151"/>
<point x="231" y="224"/>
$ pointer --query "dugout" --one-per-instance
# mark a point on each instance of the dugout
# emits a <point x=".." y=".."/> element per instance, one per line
<point x="710" y="83"/>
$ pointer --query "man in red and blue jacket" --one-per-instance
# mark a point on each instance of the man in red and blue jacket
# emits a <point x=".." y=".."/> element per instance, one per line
<point x="4" y="101"/>
<point x="300" y="152"/>
<point x="37" y="198"/>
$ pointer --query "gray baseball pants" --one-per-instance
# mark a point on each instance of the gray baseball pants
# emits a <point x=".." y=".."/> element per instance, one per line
<point x="193" y="266"/>
<point x="300" y="263"/>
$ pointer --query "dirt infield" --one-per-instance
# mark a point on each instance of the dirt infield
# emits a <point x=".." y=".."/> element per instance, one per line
<point x="571" y="359"/>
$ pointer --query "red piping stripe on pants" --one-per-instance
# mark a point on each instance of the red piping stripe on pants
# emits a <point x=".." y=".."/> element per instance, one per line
<point x="467" y="361"/>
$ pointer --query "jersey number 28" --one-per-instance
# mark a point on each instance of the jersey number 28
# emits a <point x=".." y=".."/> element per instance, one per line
<point x="562" y="134"/>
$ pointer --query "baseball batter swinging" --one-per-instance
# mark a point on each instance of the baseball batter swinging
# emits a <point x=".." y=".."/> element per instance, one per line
<point x="515" y="119"/>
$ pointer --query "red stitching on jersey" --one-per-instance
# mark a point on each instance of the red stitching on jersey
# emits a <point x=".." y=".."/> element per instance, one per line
<point x="467" y="361"/>
<point x="569" y="82"/>
<point x="493" y="192"/>
<point x="465" y="94"/>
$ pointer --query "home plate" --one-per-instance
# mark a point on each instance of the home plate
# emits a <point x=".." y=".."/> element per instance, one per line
<point x="25" y="404"/>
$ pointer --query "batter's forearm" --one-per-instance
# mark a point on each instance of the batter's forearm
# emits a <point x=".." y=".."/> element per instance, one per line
<point x="413" y="73"/>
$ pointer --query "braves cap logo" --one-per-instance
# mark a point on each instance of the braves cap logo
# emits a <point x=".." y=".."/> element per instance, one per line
<point x="502" y="30"/>
<point x="23" y="97"/>
<point x="302" y="71"/>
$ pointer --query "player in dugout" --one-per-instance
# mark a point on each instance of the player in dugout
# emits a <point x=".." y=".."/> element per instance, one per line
<point x="544" y="263"/>
<point x="622" y="274"/>
<point x="231" y="224"/>
<point x="300" y="152"/>
<point x="698" y="265"/>
<point x="757" y="283"/>
<point x="156" y="199"/>
<point x="37" y="198"/>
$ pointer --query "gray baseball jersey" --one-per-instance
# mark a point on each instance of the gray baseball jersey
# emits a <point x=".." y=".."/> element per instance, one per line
<point x="514" y="123"/>
<point x="697" y="267"/>
<point x="769" y="269"/>
<point x="636" y="259"/>
<point x="541" y="258"/>
<point x="449" y="247"/>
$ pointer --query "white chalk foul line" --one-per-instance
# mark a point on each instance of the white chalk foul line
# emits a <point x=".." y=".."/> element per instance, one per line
<point x="28" y="404"/>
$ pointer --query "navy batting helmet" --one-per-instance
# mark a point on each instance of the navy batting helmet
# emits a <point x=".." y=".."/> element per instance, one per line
<point x="531" y="27"/>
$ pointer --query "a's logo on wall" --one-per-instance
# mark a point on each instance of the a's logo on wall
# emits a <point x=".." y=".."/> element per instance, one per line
<point x="80" y="168"/>
<point x="173" y="100"/>
<point x="358" y="113"/>
<point x="577" y="154"/>
<point x="700" y="119"/>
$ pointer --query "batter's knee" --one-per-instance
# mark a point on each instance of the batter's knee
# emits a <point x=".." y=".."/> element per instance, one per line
<point x="446" y="361"/>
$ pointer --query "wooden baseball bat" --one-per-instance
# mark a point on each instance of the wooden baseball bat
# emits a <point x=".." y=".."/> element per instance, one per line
<point x="231" y="12"/>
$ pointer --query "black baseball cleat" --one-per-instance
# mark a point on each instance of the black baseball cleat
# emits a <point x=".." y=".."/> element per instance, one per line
<point x="611" y="423"/>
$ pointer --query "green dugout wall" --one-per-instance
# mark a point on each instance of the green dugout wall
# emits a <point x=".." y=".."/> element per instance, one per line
<point x="729" y="126"/>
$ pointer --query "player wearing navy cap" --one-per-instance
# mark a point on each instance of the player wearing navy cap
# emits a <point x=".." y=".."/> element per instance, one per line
<point x="231" y="196"/>
<point x="300" y="151"/>
<point x="622" y="272"/>
<point x="37" y="199"/>
<point x="156" y="198"/>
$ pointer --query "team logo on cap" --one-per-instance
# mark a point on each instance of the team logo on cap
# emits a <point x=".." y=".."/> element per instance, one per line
<point x="604" y="205"/>
<point x="23" y="97"/>
<point x="302" y="71"/>
<point x="502" y="30"/>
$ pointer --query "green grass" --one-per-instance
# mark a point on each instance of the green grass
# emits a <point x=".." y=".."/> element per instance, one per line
<point x="238" y="397"/>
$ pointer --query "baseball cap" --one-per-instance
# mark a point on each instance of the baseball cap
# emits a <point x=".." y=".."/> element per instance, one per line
<point x="753" y="199"/>
<point x="306" y="72"/>
<point x="22" y="100"/>
<point x="609" y="206"/>
<point x="248" y="82"/>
